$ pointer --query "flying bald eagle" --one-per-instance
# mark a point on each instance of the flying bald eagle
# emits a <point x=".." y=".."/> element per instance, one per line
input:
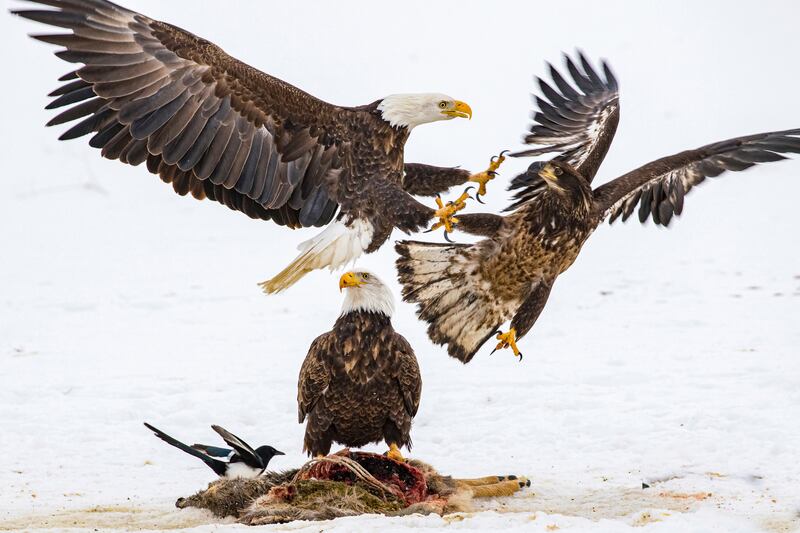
<point x="150" y="92"/>
<point x="360" y="382"/>
<point x="466" y="292"/>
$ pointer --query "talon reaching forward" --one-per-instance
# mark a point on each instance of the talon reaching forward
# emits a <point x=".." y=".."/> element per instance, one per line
<point x="466" y="292"/>
<point x="150" y="92"/>
<point x="482" y="178"/>
<point x="360" y="382"/>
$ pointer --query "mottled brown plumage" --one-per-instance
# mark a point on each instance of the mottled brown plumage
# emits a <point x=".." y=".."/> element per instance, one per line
<point x="214" y="127"/>
<point x="466" y="292"/>
<point x="360" y="382"/>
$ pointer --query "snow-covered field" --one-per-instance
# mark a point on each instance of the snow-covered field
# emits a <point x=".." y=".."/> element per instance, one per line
<point x="666" y="357"/>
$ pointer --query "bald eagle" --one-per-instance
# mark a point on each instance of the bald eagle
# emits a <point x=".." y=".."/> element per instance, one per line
<point x="466" y="292"/>
<point x="150" y="92"/>
<point x="360" y="382"/>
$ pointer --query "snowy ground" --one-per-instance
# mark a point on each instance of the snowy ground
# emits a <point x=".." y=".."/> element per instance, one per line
<point x="668" y="357"/>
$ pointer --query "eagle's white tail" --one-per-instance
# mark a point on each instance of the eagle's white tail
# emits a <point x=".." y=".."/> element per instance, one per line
<point x="444" y="280"/>
<point x="337" y="245"/>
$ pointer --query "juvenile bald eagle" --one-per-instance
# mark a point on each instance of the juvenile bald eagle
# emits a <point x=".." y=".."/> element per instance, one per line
<point x="217" y="128"/>
<point x="360" y="382"/>
<point x="466" y="292"/>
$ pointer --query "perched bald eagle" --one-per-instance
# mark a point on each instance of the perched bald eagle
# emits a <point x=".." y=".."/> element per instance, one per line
<point x="360" y="382"/>
<point x="466" y="292"/>
<point x="150" y="92"/>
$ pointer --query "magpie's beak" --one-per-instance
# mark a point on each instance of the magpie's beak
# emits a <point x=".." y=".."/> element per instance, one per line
<point x="278" y="452"/>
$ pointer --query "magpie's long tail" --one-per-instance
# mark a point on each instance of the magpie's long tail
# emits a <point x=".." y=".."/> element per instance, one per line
<point x="220" y="467"/>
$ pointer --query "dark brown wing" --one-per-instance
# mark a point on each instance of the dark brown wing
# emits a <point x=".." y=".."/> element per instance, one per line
<point x="577" y="121"/>
<point x="202" y="120"/>
<point x="314" y="375"/>
<point x="659" y="187"/>
<point x="428" y="180"/>
<point x="408" y="376"/>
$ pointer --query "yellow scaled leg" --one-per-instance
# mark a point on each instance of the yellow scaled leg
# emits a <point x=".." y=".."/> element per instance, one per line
<point x="482" y="178"/>
<point x="508" y="340"/>
<point x="445" y="212"/>
<point x="394" y="453"/>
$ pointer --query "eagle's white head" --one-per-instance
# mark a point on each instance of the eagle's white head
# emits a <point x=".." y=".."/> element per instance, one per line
<point x="366" y="292"/>
<point x="411" y="110"/>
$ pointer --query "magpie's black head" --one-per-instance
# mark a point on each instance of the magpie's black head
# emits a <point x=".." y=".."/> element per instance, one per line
<point x="266" y="453"/>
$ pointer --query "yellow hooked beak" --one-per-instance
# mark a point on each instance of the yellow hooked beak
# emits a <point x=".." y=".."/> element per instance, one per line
<point x="548" y="173"/>
<point x="459" y="110"/>
<point x="349" y="280"/>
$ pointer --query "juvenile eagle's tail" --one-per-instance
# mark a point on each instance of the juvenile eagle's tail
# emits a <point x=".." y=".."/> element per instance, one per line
<point x="444" y="280"/>
<point x="337" y="245"/>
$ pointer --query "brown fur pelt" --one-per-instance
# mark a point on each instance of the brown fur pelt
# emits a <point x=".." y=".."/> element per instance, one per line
<point x="370" y="488"/>
<point x="229" y="497"/>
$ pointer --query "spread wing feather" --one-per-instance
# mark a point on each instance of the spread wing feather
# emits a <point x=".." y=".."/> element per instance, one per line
<point x="659" y="187"/>
<point x="578" y="122"/>
<point x="245" y="451"/>
<point x="205" y="122"/>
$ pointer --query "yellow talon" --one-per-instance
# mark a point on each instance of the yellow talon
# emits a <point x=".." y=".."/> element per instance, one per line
<point x="482" y="178"/>
<point x="445" y="212"/>
<point x="508" y="340"/>
<point x="394" y="453"/>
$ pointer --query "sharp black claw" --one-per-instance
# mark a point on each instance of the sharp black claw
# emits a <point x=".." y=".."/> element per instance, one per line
<point x="447" y="237"/>
<point x="428" y="230"/>
<point x="478" y="197"/>
<point x="468" y="188"/>
<point x="520" y="357"/>
<point x="491" y="173"/>
<point x="504" y="152"/>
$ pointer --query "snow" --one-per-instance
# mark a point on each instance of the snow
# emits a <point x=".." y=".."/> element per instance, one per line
<point x="668" y="357"/>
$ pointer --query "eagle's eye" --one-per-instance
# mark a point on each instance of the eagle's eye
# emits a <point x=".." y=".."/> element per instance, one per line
<point x="557" y="171"/>
<point x="364" y="276"/>
<point x="442" y="104"/>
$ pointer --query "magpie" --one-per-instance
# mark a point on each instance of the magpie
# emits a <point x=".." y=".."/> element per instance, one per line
<point x="240" y="462"/>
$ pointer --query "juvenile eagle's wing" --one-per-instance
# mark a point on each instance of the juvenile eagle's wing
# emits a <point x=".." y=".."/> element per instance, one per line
<point x="202" y="120"/>
<point x="408" y="375"/>
<point x="578" y="122"/>
<point x="314" y="375"/>
<point x="659" y="187"/>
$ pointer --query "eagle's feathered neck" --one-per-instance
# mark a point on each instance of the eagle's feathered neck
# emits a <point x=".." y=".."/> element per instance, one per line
<point x="410" y="110"/>
<point x="370" y="298"/>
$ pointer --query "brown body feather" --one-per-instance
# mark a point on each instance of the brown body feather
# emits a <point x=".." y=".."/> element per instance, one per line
<point x="359" y="383"/>
<point x="466" y="292"/>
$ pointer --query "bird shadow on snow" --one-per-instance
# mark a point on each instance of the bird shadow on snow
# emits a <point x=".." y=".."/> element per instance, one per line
<point x="661" y="500"/>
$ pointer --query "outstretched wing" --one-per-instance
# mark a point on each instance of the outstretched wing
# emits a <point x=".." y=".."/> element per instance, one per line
<point x="577" y="121"/>
<point x="245" y="451"/>
<point x="202" y="120"/>
<point x="408" y="376"/>
<point x="314" y="375"/>
<point x="659" y="187"/>
<point x="213" y="451"/>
